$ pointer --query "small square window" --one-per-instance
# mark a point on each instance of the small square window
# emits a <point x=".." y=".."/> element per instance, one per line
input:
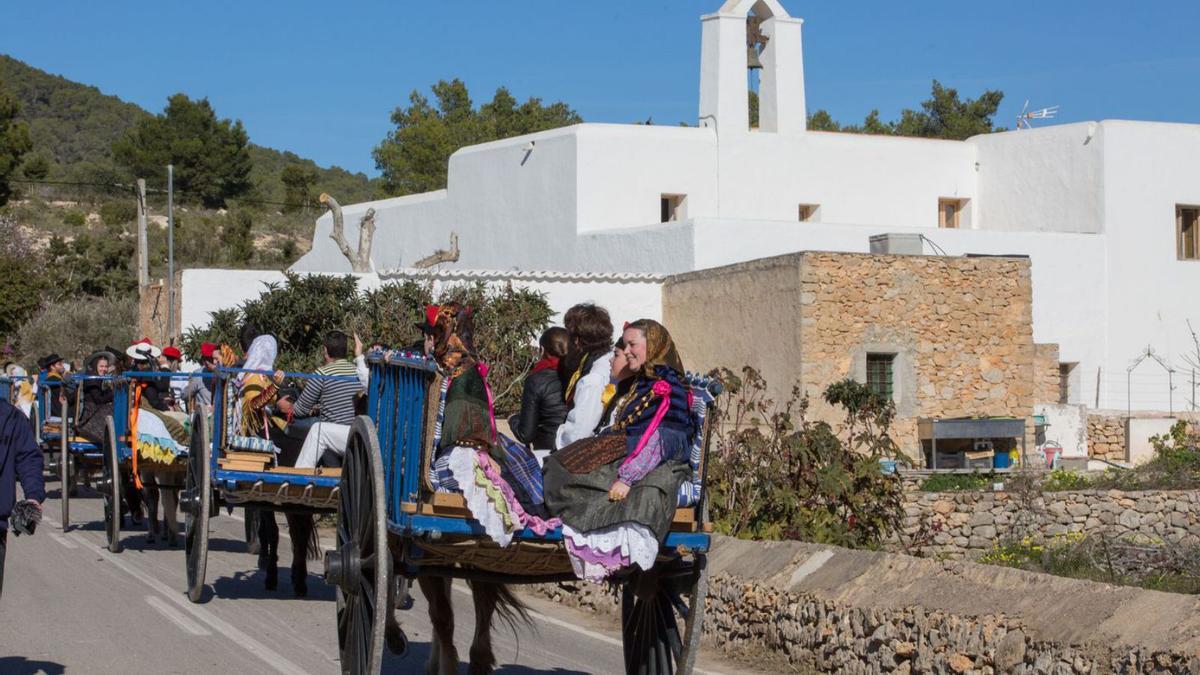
<point x="1064" y="381"/>
<point x="807" y="213"/>
<point x="672" y="208"/>
<point x="879" y="374"/>
<point x="950" y="212"/>
<point x="1187" y="232"/>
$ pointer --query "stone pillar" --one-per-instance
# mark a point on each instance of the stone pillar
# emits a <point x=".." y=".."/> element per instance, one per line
<point x="781" y="106"/>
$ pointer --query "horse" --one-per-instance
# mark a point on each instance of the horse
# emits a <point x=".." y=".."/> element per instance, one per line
<point x="156" y="482"/>
<point x="489" y="598"/>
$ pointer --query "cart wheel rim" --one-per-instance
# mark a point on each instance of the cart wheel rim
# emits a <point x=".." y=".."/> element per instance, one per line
<point x="198" y="493"/>
<point x="112" y="492"/>
<point x="361" y="565"/>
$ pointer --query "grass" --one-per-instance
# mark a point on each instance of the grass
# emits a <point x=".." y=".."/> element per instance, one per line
<point x="958" y="482"/>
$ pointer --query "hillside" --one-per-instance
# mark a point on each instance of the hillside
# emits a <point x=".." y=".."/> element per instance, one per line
<point x="74" y="125"/>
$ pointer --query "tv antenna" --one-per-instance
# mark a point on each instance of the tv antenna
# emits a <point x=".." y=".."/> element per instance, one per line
<point x="1023" y="120"/>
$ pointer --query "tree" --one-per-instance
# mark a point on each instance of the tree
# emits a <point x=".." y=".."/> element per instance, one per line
<point x="236" y="239"/>
<point x="943" y="115"/>
<point x="93" y="263"/>
<point x="14" y="141"/>
<point x="20" y="278"/>
<point x="211" y="156"/>
<point x="413" y="157"/>
<point x="36" y="167"/>
<point x="298" y="181"/>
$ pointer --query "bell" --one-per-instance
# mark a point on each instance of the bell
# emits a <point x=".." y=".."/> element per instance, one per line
<point x="752" y="61"/>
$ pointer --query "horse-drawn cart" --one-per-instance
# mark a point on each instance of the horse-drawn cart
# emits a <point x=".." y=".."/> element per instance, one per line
<point x="392" y="525"/>
<point x="229" y="468"/>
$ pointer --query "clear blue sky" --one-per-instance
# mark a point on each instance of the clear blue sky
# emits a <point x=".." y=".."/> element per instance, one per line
<point x="321" y="79"/>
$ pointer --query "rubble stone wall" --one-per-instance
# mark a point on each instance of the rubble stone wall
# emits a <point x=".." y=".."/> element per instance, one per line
<point x="1106" y="437"/>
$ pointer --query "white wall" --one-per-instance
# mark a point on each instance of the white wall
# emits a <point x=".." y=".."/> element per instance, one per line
<point x="203" y="291"/>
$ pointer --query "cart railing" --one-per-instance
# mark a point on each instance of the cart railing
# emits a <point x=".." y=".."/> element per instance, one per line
<point x="397" y="397"/>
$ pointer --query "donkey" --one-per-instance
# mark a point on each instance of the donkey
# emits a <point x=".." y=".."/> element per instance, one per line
<point x="489" y="598"/>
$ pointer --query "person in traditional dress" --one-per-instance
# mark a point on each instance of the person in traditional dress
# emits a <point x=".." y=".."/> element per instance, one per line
<point x="615" y="493"/>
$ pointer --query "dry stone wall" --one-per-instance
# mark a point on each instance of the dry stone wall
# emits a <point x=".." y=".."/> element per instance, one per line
<point x="967" y="524"/>
<point x="1046" y="374"/>
<point x="835" y="610"/>
<point x="1106" y="437"/>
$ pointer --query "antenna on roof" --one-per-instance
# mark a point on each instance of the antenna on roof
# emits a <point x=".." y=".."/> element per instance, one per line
<point x="1040" y="114"/>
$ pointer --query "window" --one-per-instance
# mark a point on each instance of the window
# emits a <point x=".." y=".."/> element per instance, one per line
<point x="808" y="213"/>
<point x="1187" y="232"/>
<point x="879" y="374"/>
<point x="1064" y="381"/>
<point x="672" y="208"/>
<point x="950" y="212"/>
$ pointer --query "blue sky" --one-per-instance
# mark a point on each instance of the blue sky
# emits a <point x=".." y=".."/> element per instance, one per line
<point x="321" y="80"/>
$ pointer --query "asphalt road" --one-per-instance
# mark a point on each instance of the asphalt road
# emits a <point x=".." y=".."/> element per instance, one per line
<point x="71" y="606"/>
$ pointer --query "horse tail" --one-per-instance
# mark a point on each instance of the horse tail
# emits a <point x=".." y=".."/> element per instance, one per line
<point x="511" y="609"/>
<point x="314" y="543"/>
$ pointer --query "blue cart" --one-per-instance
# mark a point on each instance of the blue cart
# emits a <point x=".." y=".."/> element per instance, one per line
<point x="392" y="527"/>
<point x="217" y="476"/>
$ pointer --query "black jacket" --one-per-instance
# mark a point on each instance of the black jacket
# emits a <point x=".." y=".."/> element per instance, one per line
<point x="542" y="410"/>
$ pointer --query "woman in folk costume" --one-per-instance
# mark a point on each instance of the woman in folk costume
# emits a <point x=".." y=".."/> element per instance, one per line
<point x="616" y="492"/>
<point x="499" y="478"/>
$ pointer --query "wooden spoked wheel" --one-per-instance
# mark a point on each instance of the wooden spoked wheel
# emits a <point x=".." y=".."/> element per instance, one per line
<point x="652" y="605"/>
<point x="110" y="486"/>
<point x="196" y="501"/>
<point x="360" y="567"/>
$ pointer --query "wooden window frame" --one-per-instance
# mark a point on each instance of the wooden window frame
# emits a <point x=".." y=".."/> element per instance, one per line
<point x="1182" y="240"/>
<point x="958" y="204"/>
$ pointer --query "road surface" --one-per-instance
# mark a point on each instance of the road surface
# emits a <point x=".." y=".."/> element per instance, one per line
<point x="71" y="606"/>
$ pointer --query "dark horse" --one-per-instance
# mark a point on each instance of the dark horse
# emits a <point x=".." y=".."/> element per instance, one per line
<point x="489" y="598"/>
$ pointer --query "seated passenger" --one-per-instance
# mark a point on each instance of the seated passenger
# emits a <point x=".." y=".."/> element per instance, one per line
<point x="498" y="477"/>
<point x="616" y="492"/>
<point x="97" y="399"/>
<point x="584" y="371"/>
<point x="333" y="400"/>
<point x="543" y="409"/>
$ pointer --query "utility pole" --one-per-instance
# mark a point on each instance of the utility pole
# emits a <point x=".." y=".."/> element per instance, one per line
<point x="143" y="251"/>
<point x="170" y="254"/>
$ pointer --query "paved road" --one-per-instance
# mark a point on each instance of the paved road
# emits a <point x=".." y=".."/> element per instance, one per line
<point x="71" y="606"/>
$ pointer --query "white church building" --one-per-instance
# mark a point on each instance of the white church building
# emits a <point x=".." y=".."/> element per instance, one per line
<point x="1108" y="212"/>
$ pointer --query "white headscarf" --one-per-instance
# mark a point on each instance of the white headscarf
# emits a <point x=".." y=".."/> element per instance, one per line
<point x="261" y="355"/>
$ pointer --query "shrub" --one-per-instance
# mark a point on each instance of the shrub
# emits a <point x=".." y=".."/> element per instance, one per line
<point x="303" y="308"/>
<point x="1063" y="480"/>
<point x="74" y="218"/>
<point x="21" y="279"/>
<point x="77" y="327"/>
<point x="118" y="212"/>
<point x="775" y="474"/>
<point x="956" y="482"/>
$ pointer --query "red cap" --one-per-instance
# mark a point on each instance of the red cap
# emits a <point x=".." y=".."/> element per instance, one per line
<point x="173" y="353"/>
<point x="207" y="350"/>
<point x="431" y="314"/>
<point x="144" y="341"/>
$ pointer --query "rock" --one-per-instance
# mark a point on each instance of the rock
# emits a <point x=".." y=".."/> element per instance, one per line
<point x="943" y="507"/>
<point x="981" y="518"/>
<point x="959" y="663"/>
<point x="1011" y="651"/>
<point x="985" y="531"/>
<point x="1129" y="519"/>
<point x="905" y="650"/>
<point x="1078" y="509"/>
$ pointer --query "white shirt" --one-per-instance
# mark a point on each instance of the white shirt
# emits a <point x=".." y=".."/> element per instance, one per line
<point x="589" y="405"/>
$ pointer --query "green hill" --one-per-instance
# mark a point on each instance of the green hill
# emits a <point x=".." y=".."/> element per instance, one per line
<point x="73" y="126"/>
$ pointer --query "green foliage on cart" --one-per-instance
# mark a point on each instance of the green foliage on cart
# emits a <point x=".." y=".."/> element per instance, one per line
<point x="508" y="321"/>
<point x="776" y="474"/>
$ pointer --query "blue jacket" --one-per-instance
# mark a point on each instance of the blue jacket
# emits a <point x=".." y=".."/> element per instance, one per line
<point x="20" y="459"/>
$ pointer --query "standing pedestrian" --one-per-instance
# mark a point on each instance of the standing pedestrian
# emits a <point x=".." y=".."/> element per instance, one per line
<point x="20" y="459"/>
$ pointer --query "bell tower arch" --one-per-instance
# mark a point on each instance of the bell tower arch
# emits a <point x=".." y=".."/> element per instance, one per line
<point x="724" y="60"/>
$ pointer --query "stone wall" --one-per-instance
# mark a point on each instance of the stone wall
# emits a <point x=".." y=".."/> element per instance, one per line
<point x="1106" y="438"/>
<point x="836" y="610"/>
<point x="960" y="329"/>
<point x="1046" y="374"/>
<point x="967" y="524"/>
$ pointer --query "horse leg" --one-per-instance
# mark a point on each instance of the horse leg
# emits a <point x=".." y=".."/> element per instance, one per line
<point x="443" y="657"/>
<point x="150" y="493"/>
<point x="483" y="660"/>
<point x="170" y="504"/>
<point x="268" y="542"/>
<point x="300" y="529"/>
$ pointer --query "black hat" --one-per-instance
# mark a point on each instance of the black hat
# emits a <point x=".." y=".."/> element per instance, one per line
<point x="90" y="363"/>
<point x="48" y="360"/>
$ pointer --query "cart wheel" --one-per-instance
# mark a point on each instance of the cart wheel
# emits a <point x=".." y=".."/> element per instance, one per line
<point x="650" y="604"/>
<point x="360" y="568"/>
<point x="64" y="480"/>
<point x="110" y="487"/>
<point x="195" y="500"/>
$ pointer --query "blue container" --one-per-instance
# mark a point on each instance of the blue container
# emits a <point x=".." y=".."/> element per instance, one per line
<point x="1001" y="460"/>
<point x="887" y="466"/>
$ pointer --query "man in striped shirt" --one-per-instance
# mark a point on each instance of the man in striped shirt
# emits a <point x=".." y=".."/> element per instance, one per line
<point x="332" y="399"/>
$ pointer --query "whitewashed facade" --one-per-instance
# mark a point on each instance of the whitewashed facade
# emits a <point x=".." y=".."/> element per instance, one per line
<point x="1094" y="205"/>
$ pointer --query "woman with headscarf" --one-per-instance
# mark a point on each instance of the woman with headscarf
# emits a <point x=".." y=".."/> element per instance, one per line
<point x="97" y="398"/>
<point x="616" y="492"/>
<point x="499" y="478"/>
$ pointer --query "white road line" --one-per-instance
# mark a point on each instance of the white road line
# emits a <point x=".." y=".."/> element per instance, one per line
<point x="184" y="623"/>
<point x="258" y="649"/>
<point x="61" y="540"/>
<point x="578" y="629"/>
